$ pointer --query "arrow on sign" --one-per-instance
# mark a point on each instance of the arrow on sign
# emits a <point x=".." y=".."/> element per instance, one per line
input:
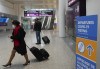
<point x="90" y="49"/>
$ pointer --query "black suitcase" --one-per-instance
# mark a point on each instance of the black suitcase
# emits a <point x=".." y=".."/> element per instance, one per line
<point x="46" y="40"/>
<point x="45" y="54"/>
<point x="36" y="52"/>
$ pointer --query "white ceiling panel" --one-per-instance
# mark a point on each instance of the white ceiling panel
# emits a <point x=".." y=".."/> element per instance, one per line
<point x="35" y="3"/>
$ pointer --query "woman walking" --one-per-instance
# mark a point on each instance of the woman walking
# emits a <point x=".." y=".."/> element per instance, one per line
<point x="18" y="35"/>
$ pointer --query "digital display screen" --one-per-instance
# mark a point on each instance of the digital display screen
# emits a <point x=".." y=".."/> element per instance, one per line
<point x="33" y="13"/>
<point x="3" y="21"/>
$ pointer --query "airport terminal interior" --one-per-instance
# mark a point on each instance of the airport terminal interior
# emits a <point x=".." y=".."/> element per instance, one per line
<point x="67" y="25"/>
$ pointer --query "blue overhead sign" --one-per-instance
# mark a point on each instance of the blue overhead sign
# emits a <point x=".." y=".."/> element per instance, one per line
<point x="86" y="27"/>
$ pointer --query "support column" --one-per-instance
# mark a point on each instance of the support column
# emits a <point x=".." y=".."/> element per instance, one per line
<point x="19" y="13"/>
<point x="61" y="18"/>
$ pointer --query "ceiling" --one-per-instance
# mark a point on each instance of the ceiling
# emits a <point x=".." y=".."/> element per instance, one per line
<point x="32" y="4"/>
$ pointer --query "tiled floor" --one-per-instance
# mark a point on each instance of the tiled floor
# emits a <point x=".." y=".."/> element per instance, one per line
<point x="61" y="54"/>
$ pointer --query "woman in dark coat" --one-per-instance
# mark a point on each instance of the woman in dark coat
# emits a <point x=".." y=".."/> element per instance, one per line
<point x="19" y="43"/>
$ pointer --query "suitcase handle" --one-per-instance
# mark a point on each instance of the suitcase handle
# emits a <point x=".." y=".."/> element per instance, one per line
<point x="27" y="46"/>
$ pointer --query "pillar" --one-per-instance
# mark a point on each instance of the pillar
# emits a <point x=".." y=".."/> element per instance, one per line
<point x="19" y="13"/>
<point x="61" y="18"/>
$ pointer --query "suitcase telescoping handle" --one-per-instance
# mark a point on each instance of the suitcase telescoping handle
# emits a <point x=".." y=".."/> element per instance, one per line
<point x="27" y="46"/>
<point x="42" y="34"/>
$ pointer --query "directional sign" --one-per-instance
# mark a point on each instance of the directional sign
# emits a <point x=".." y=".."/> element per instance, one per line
<point x="90" y="50"/>
<point x="86" y="42"/>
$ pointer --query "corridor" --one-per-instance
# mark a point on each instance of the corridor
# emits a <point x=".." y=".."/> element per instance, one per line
<point x="61" y="54"/>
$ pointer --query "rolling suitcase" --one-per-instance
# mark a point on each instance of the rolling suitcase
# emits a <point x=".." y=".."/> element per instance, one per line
<point x="46" y="40"/>
<point x="45" y="54"/>
<point x="36" y="52"/>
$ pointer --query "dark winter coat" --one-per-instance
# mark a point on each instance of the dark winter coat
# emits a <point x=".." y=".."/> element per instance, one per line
<point x="21" y="48"/>
<point x="37" y="26"/>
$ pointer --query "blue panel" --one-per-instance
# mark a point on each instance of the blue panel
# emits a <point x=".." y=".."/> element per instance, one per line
<point x="86" y="27"/>
<point x="84" y="63"/>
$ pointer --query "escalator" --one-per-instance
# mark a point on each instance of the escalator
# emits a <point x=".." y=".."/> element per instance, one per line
<point x="48" y="22"/>
<point x="51" y="23"/>
<point x="45" y="22"/>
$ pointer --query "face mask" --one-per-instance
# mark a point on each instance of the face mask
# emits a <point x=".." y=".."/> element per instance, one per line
<point x="13" y="26"/>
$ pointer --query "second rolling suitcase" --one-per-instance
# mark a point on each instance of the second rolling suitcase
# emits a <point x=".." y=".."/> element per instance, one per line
<point x="46" y="40"/>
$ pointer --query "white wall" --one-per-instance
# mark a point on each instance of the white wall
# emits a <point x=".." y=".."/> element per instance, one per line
<point x="13" y="9"/>
<point x="93" y="7"/>
<point x="7" y="7"/>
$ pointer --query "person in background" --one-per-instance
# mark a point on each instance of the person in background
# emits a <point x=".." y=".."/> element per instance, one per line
<point x="22" y="25"/>
<point x="18" y="36"/>
<point x="37" y="29"/>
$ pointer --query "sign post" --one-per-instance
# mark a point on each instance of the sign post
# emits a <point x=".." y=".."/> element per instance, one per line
<point x="86" y="42"/>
